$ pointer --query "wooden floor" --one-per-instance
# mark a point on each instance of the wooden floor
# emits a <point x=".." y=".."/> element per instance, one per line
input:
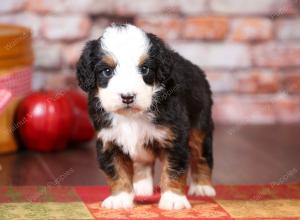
<point x="243" y="155"/>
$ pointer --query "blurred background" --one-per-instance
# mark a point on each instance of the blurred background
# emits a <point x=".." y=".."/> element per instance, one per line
<point x="250" y="50"/>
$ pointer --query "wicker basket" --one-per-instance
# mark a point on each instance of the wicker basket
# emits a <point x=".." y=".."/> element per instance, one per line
<point x="16" y="58"/>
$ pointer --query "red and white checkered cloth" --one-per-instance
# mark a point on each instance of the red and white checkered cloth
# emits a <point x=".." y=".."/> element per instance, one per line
<point x="15" y="84"/>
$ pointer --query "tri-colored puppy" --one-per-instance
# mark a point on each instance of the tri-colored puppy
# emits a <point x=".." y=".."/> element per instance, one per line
<point x="147" y="102"/>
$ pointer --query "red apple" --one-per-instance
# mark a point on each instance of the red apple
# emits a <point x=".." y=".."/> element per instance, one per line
<point x="45" y="120"/>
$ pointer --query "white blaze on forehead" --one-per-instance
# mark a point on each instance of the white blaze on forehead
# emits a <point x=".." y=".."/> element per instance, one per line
<point x="127" y="44"/>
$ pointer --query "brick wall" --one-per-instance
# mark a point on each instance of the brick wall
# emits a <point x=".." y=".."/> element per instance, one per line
<point x="250" y="49"/>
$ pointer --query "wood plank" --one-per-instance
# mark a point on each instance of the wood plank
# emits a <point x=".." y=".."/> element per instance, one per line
<point x="243" y="155"/>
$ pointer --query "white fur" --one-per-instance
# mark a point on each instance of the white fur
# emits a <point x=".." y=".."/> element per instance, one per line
<point x="131" y="132"/>
<point x="127" y="45"/>
<point x="122" y="200"/>
<point x="201" y="190"/>
<point x="143" y="187"/>
<point x="170" y="200"/>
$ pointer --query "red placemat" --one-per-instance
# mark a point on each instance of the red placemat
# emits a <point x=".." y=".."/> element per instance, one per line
<point x="83" y="202"/>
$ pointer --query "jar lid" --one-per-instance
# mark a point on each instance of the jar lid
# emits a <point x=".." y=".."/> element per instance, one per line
<point x="13" y="32"/>
<point x="15" y="44"/>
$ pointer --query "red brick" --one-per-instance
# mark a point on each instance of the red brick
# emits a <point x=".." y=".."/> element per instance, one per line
<point x="47" y="56"/>
<point x="244" y="109"/>
<point x="221" y="81"/>
<point x="165" y="27"/>
<point x="119" y="7"/>
<point x="66" y="27"/>
<point x="75" y="6"/>
<point x="254" y="7"/>
<point x="60" y="80"/>
<point x="12" y="5"/>
<point x="205" y="28"/>
<point x="26" y="19"/>
<point x="90" y="6"/>
<point x="71" y="52"/>
<point x="132" y="7"/>
<point x="277" y="55"/>
<point x="257" y="81"/>
<point x="251" y="29"/>
<point x="42" y="6"/>
<point x="291" y="82"/>
<point x="288" y="29"/>
<point x="288" y="109"/>
<point x="244" y="82"/>
<point x="191" y="7"/>
<point x="212" y="55"/>
<point x="98" y="27"/>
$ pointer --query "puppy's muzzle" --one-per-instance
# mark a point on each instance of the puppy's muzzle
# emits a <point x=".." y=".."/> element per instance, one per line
<point x="128" y="98"/>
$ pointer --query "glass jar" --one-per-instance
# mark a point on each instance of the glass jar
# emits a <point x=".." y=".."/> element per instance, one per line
<point x="16" y="60"/>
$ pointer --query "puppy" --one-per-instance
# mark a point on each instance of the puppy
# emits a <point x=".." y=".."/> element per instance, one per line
<point x="147" y="102"/>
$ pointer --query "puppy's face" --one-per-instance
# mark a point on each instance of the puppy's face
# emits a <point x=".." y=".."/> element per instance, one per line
<point x="125" y="68"/>
<point x="125" y="74"/>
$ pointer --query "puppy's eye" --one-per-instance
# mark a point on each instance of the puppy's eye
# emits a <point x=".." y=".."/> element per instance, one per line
<point x="145" y="70"/>
<point x="107" y="73"/>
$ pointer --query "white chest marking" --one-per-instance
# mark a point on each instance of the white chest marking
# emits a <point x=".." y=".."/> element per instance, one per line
<point x="131" y="133"/>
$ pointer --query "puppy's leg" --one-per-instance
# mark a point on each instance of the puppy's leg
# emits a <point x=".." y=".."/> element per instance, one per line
<point x="201" y="163"/>
<point x="118" y="169"/>
<point x="173" y="179"/>
<point x="143" y="179"/>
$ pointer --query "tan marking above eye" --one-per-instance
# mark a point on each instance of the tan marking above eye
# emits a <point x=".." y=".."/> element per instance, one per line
<point x="143" y="59"/>
<point x="109" y="60"/>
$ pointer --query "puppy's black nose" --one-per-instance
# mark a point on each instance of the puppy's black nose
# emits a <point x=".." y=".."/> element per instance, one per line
<point x="127" y="98"/>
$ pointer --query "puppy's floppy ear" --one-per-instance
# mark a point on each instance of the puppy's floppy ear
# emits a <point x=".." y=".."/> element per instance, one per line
<point x="163" y="56"/>
<point x="86" y="64"/>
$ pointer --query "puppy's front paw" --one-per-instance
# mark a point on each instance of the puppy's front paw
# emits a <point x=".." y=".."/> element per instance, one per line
<point x="143" y="187"/>
<point x="170" y="200"/>
<point x="201" y="190"/>
<point x="121" y="200"/>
